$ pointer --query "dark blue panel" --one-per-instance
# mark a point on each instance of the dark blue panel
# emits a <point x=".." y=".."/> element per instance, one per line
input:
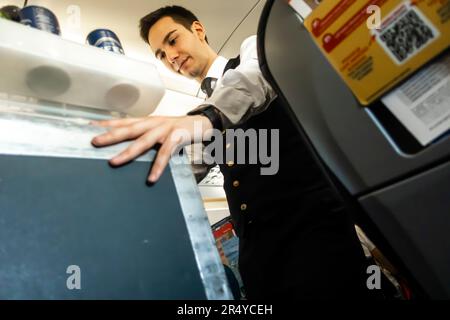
<point x="129" y="239"/>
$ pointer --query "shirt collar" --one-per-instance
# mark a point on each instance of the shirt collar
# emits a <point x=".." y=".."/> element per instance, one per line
<point x="216" y="69"/>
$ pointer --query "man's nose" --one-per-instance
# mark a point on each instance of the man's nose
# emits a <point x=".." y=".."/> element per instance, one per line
<point x="172" y="57"/>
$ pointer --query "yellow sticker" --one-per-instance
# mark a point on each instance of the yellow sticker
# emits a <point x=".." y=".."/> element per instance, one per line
<point x="375" y="44"/>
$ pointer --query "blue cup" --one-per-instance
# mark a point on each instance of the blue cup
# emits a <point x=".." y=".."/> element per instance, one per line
<point x="105" y="39"/>
<point x="40" y="18"/>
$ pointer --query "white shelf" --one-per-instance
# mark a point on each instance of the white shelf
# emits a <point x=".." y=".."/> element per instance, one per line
<point x="42" y="65"/>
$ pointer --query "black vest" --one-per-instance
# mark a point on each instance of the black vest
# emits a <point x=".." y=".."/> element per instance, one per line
<point x="298" y="187"/>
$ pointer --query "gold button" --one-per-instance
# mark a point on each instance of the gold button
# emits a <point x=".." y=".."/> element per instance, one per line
<point x="230" y="163"/>
<point x="223" y="132"/>
<point x="228" y="145"/>
<point x="236" y="184"/>
<point x="243" y="207"/>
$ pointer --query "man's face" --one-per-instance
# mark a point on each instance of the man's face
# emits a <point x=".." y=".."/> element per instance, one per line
<point x="181" y="50"/>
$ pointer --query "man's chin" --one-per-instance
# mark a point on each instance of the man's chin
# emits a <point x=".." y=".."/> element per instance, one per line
<point x="189" y="74"/>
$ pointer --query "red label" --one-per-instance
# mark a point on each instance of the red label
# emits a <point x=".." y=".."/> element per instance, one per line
<point x="320" y="25"/>
<point x="223" y="230"/>
<point x="331" y="41"/>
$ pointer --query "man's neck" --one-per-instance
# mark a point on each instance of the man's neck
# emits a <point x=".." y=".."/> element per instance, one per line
<point x="213" y="56"/>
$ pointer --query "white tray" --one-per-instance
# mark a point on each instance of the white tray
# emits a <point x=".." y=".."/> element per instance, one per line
<point x="34" y="63"/>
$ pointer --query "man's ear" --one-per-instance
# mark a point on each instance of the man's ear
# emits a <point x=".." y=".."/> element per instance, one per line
<point x="199" y="30"/>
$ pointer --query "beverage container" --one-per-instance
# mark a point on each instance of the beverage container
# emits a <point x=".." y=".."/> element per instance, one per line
<point x="105" y="39"/>
<point x="40" y="18"/>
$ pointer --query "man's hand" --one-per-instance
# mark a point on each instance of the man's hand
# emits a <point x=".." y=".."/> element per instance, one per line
<point x="170" y="132"/>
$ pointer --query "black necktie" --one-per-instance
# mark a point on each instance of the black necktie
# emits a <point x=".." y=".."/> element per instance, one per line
<point x="208" y="85"/>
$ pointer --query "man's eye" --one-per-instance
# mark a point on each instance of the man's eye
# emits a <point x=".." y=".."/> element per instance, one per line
<point x="172" y="42"/>
<point x="162" y="56"/>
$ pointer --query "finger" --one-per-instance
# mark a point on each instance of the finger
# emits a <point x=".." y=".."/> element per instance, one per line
<point x="140" y="146"/>
<point x="129" y="132"/>
<point x="115" y="122"/>
<point x="163" y="157"/>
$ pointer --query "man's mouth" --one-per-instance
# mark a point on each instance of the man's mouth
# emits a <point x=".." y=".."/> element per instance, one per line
<point x="182" y="64"/>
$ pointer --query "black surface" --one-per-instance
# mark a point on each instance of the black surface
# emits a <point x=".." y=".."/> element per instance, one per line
<point x="129" y="239"/>
<point x="271" y="46"/>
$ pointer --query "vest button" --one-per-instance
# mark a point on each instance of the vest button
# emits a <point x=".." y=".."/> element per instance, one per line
<point x="228" y="145"/>
<point x="243" y="207"/>
<point x="236" y="183"/>
<point x="230" y="163"/>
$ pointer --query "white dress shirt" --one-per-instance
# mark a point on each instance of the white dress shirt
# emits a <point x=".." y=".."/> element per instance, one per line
<point x="242" y="92"/>
<point x="239" y="94"/>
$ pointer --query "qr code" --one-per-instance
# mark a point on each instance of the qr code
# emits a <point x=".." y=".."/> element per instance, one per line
<point x="408" y="35"/>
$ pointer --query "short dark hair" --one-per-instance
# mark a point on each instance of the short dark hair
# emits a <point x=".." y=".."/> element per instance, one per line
<point x="179" y="14"/>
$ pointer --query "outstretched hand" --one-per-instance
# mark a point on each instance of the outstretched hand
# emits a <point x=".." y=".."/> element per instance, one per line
<point x="170" y="132"/>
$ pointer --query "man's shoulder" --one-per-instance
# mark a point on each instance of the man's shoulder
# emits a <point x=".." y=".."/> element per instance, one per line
<point x="248" y="48"/>
<point x="248" y="42"/>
